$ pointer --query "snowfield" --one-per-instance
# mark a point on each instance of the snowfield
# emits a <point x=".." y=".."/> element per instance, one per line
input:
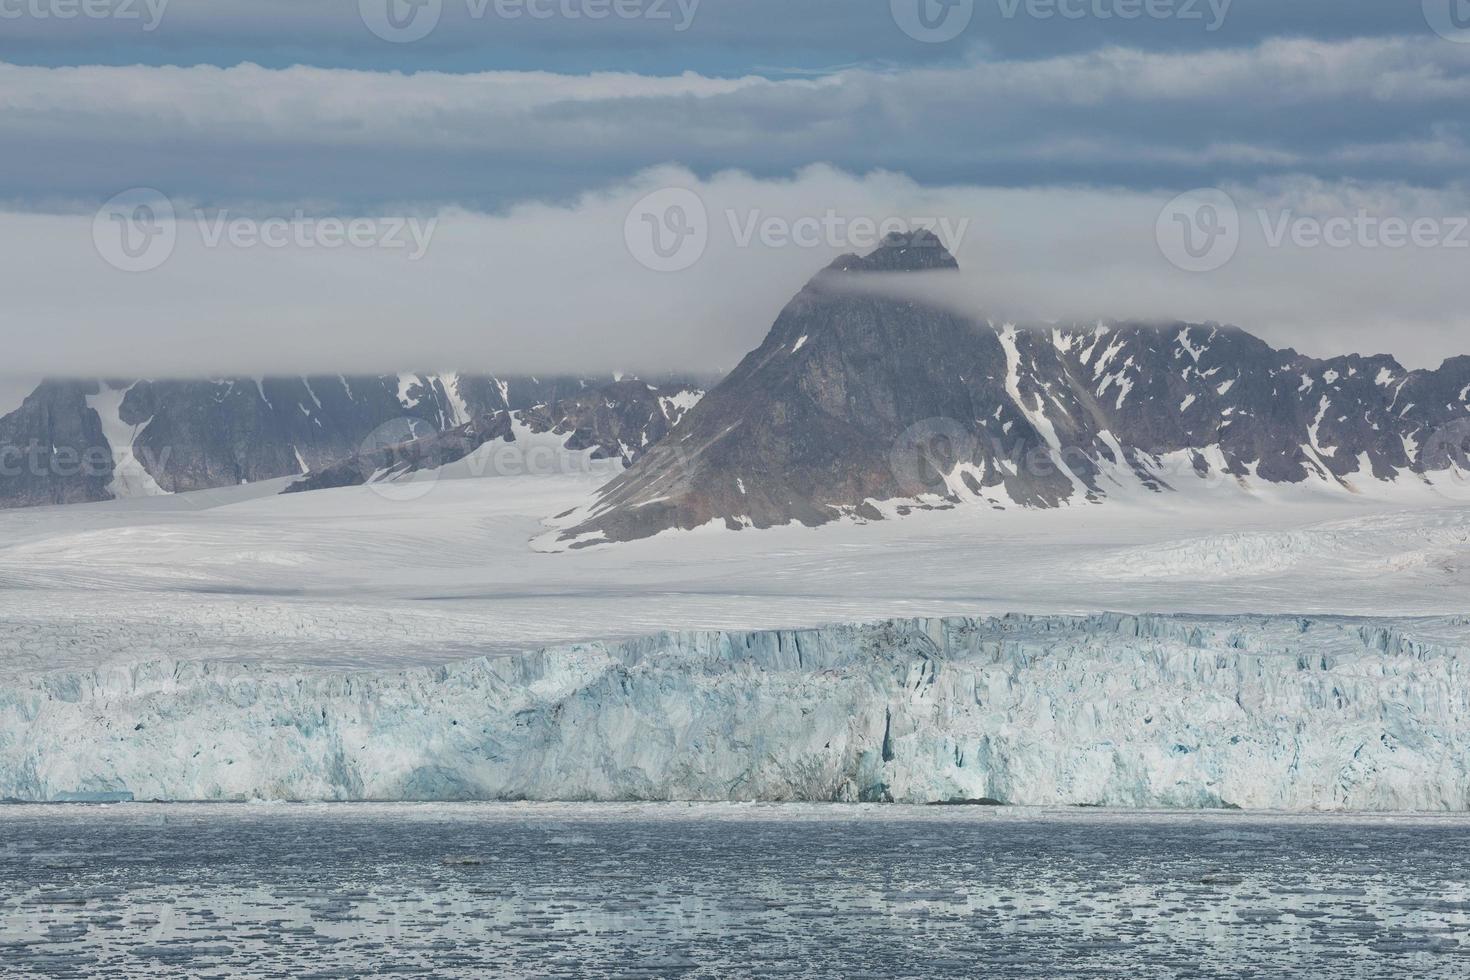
<point x="367" y="577"/>
<point x="1115" y="710"/>
<point x="356" y="644"/>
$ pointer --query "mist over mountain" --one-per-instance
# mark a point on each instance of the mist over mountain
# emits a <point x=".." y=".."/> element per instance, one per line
<point x="858" y="398"/>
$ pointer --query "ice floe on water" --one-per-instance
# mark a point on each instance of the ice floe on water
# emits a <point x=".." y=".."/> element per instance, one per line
<point x="673" y="890"/>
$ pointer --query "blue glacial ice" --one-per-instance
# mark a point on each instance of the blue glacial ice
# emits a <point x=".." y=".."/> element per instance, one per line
<point x="1114" y="710"/>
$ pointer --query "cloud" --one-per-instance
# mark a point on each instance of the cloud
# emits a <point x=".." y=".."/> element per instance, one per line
<point x="1378" y="109"/>
<point x="543" y="288"/>
<point x="726" y="37"/>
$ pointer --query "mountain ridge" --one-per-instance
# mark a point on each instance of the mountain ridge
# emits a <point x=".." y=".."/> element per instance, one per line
<point x="80" y="441"/>
<point x="857" y="397"/>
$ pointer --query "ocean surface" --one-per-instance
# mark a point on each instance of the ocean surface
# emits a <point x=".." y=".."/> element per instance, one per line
<point x="672" y="890"/>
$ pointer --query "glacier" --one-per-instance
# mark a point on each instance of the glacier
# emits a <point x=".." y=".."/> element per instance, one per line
<point x="1121" y="710"/>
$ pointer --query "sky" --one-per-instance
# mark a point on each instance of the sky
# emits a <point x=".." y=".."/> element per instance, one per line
<point x="271" y="186"/>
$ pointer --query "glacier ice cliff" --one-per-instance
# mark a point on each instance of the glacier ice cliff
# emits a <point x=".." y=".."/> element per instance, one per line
<point x="1116" y="710"/>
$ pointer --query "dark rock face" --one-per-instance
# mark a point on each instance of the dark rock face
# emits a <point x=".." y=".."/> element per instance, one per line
<point x="857" y="396"/>
<point x="218" y="433"/>
<point x="52" y="450"/>
<point x="179" y="436"/>
<point x="618" y="421"/>
<point x="615" y="421"/>
<point x="396" y="457"/>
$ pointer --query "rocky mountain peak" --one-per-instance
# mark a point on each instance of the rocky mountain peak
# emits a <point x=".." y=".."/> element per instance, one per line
<point x="864" y="405"/>
<point x="916" y="251"/>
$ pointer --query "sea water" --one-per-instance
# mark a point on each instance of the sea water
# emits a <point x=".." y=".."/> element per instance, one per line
<point x="671" y="890"/>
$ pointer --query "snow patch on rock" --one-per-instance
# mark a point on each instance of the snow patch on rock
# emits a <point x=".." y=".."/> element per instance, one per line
<point x="129" y="478"/>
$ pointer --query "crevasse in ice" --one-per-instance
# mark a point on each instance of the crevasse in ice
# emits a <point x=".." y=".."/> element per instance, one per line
<point x="1117" y="710"/>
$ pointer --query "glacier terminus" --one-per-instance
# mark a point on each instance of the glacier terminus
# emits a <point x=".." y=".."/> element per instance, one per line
<point x="1258" y="712"/>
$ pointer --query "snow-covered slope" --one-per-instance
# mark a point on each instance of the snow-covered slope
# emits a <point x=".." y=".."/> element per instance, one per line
<point x="357" y="577"/>
<point x="865" y="402"/>
<point x="1112" y="709"/>
<point x="129" y="477"/>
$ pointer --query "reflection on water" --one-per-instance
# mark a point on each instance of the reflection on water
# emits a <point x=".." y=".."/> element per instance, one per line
<point x="674" y="890"/>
